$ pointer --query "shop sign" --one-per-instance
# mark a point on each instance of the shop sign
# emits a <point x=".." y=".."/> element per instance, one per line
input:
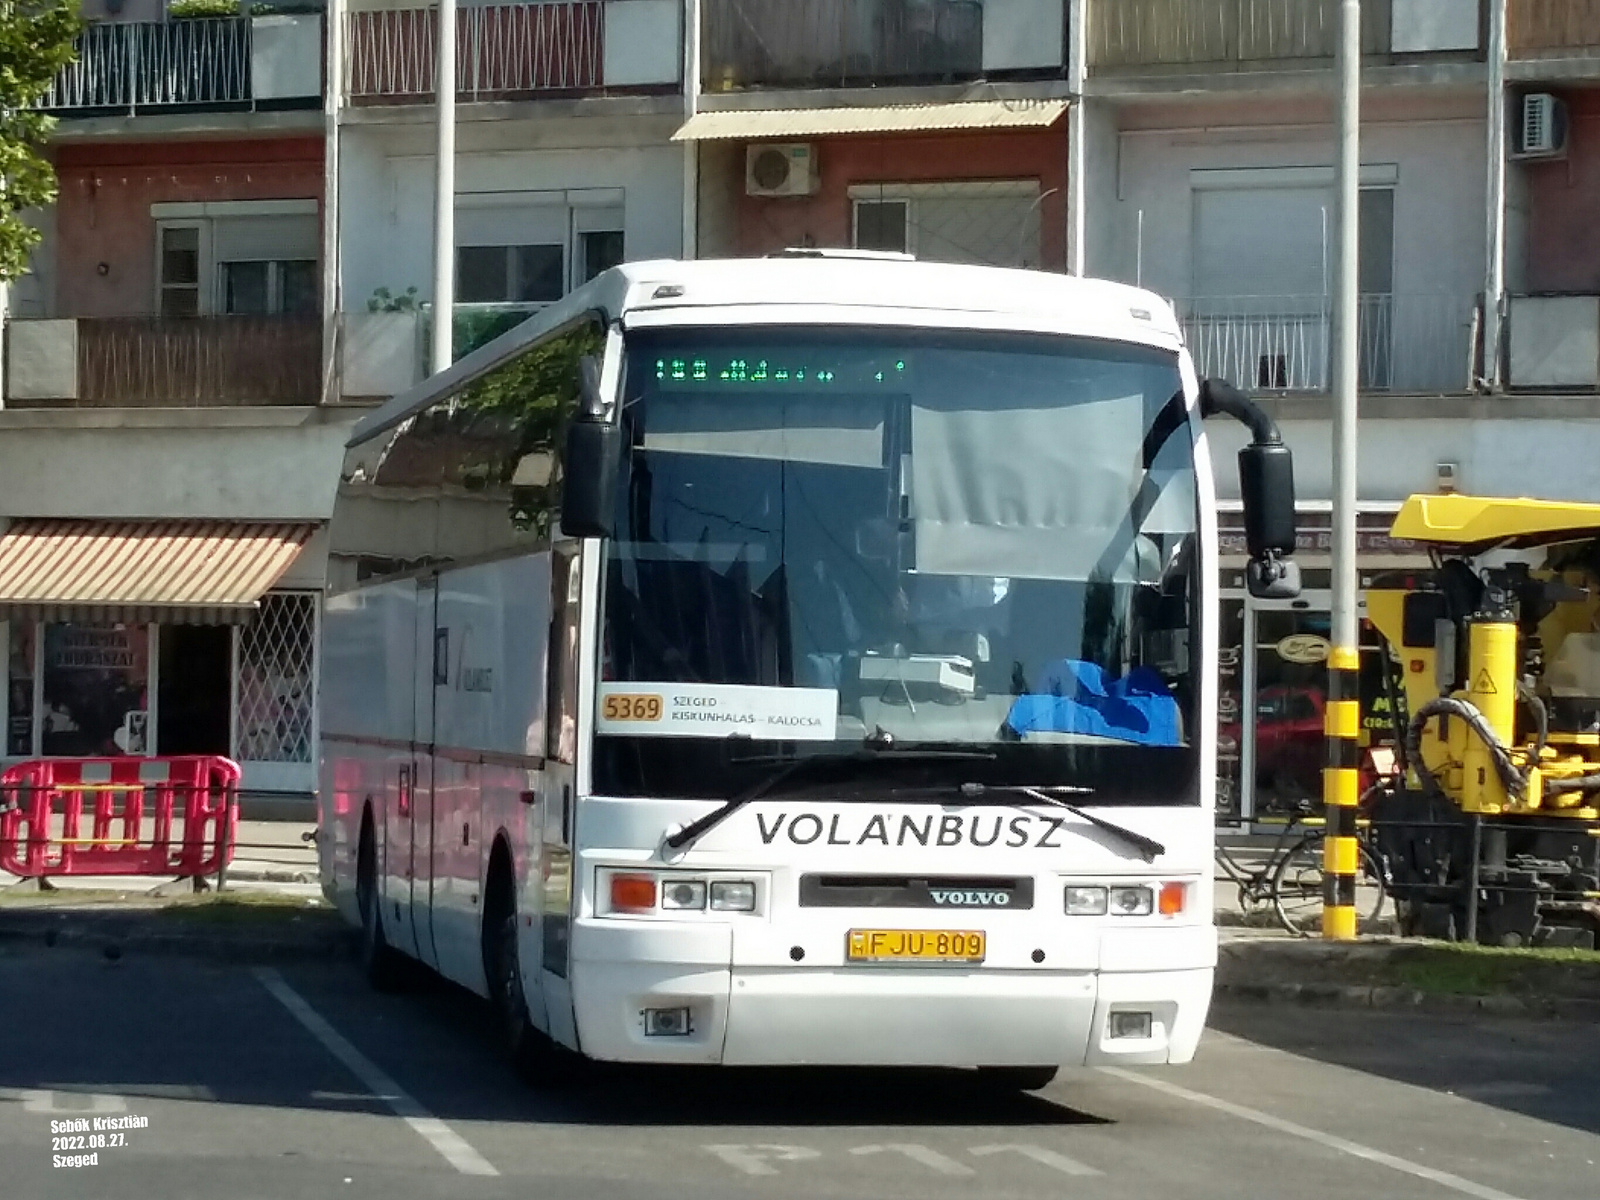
<point x="1320" y="541"/>
<point x="90" y="649"/>
<point x="1303" y="648"/>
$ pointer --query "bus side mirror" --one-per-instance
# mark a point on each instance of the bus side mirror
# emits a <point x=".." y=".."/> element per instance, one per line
<point x="1266" y="486"/>
<point x="589" y="491"/>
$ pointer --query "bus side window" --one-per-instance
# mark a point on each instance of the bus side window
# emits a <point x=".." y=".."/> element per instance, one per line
<point x="562" y="701"/>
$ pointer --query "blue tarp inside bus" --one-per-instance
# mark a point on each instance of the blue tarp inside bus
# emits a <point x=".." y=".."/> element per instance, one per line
<point x="1079" y="697"/>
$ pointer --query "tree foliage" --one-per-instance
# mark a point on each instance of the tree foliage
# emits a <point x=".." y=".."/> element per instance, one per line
<point x="36" y="40"/>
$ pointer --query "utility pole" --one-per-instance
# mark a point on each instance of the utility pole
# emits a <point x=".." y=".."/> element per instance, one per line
<point x="691" y="149"/>
<point x="444" y="192"/>
<point x="1342" y="722"/>
<point x="1494" y="281"/>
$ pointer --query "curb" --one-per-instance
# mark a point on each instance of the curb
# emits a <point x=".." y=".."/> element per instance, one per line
<point x="331" y="946"/>
<point x="1356" y="996"/>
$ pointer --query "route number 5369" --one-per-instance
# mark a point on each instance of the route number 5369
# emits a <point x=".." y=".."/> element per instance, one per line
<point x="622" y="707"/>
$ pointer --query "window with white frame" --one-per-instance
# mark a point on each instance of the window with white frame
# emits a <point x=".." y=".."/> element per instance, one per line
<point x="244" y="258"/>
<point x="990" y="222"/>
<point x="534" y="247"/>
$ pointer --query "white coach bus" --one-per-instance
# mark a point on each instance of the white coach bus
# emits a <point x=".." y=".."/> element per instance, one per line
<point x="800" y="660"/>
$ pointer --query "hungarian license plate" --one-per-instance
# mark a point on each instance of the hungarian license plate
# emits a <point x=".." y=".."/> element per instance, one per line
<point x="915" y="945"/>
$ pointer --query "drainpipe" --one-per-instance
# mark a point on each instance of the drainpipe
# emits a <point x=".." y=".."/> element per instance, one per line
<point x="1077" y="44"/>
<point x="691" y="150"/>
<point x="1494" y="275"/>
<point x="332" y="293"/>
<point x="444" y="191"/>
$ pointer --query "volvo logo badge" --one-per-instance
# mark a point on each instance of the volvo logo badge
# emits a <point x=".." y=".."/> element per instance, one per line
<point x="986" y="899"/>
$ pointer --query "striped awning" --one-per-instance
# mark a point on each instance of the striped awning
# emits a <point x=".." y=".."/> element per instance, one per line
<point x="136" y="572"/>
<point x="755" y="124"/>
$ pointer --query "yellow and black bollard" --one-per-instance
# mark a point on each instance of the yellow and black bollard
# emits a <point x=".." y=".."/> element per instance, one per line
<point x="1341" y="789"/>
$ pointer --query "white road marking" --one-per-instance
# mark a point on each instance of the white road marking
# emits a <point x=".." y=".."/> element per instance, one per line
<point x="921" y="1154"/>
<point x="1049" y="1158"/>
<point x="68" y="1104"/>
<point x="758" y="1159"/>
<point x="1355" y="1149"/>
<point x="451" y="1145"/>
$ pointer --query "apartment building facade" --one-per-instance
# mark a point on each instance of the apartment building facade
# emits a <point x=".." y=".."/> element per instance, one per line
<point x="1186" y="145"/>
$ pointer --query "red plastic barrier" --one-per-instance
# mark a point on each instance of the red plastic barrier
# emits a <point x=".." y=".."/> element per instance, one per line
<point x="47" y="800"/>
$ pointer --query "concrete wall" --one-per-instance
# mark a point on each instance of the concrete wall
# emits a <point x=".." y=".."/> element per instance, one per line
<point x="387" y="180"/>
<point x="1563" y="227"/>
<point x="1548" y="457"/>
<point x="823" y="219"/>
<point x="1439" y="200"/>
<point x="239" y="464"/>
<point x="103" y="213"/>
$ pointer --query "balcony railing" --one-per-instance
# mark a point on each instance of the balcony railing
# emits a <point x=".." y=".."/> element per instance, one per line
<point x="155" y="362"/>
<point x="1552" y="28"/>
<point x="1418" y="342"/>
<point x="503" y="51"/>
<point x="1220" y="33"/>
<point x="201" y="62"/>
<point x="839" y="43"/>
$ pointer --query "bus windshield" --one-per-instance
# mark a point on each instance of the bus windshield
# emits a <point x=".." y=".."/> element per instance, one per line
<point x="834" y="539"/>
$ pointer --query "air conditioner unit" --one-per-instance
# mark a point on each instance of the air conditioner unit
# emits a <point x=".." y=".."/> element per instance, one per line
<point x="1542" y="132"/>
<point x="788" y="170"/>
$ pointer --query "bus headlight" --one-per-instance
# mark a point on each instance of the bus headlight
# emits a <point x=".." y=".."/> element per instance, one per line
<point x="1132" y="901"/>
<point x="683" y="894"/>
<point x="733" y="895"/>
<point x="1086" y="901"/>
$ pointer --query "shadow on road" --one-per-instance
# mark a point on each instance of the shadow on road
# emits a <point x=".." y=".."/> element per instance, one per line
<point x="163" y="1027"/>
<point x="1540" y="1069"/>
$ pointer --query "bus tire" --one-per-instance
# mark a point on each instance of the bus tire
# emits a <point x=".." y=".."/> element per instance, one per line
<point x="380" y="962"/>
<point x="1017" y="1079"/>
<point x="535" y="1058"/>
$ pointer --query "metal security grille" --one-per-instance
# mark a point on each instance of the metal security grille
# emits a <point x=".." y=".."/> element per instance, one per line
<point x="502" y="51"/>
<point x="993" y="223"/>
<point x="275" y="705"/>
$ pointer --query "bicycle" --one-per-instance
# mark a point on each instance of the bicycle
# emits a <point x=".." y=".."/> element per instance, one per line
<point x="1292" y="876"/>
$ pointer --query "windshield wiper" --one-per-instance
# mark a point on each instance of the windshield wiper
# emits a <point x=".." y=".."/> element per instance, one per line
<point x="798" y="766"/>
<point x="1148" y="848"/>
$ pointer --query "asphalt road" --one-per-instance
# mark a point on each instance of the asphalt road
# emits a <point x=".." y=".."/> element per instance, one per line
<point x="300" y="1082"/>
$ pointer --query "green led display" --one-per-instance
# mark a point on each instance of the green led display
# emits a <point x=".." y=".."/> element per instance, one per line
<point x="764" y="371"/>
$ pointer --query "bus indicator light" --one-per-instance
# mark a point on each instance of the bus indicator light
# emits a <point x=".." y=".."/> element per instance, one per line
<point x="1170" y="901"/>
<point x="633" y="893"/>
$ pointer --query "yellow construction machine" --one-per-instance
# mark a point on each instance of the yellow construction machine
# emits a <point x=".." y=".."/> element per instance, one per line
<point x="1491" y="830"/>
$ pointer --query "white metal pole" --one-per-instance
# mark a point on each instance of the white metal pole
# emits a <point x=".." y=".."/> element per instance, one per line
<point x="1343" y="720"/>
<point x="332" y="296"/>
<point x="444" y="193"/>
<point x="691" y="150"/>
<point x="1494" y="277"/>
<point x="5" y="316"/>
<point x="1077" y="151"/>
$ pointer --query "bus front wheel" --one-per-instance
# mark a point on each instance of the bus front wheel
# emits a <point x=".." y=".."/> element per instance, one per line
<point x="534" y="1056"/>
<point x="380" y="963"/>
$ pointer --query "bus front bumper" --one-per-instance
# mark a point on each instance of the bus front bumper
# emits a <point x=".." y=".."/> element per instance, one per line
<point x="636" y="1010"/>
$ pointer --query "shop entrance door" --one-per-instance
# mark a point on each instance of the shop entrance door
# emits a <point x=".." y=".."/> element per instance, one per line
<point x="194" y="689"/>
<point x="1285" y="690"/>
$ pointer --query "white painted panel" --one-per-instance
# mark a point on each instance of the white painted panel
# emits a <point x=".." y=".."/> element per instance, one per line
<point x="1555" y="341"/>
<point x="1419" y="26"/>
<point x="1023" y="34"/>
<point x="286" y="56"/>
<point x="522" y="224"/>
<point x="42" y="360"/>
<point x="641" y="43"/>
<point x="424" y="870"/>
<point x="381" y="353"/>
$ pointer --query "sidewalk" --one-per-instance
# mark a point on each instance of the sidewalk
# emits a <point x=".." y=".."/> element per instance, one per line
<point x="269" y="856"/>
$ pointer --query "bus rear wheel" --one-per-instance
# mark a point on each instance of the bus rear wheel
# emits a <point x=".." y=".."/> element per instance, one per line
<point x="1017" y="1079"/>
<point x="380" y="963"/>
